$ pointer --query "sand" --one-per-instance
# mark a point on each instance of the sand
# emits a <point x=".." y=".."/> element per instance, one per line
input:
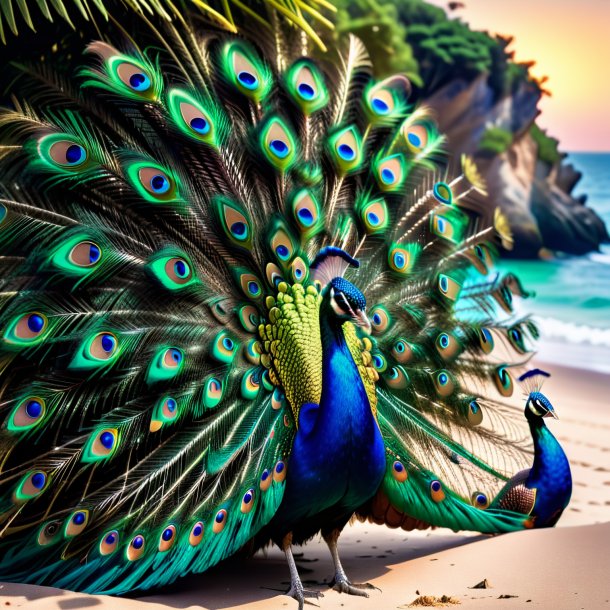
<point x="564" y="568"/>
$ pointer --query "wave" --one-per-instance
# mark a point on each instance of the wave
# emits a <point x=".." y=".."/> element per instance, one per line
<point x="568" y="332"/>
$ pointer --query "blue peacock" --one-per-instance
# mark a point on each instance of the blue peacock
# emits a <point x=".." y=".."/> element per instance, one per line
<point x="245" y="297"/>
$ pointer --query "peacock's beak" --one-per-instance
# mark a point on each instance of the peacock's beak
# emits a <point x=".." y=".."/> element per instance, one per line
<point x="551" y="414"/>
<point x="362" y="320"/>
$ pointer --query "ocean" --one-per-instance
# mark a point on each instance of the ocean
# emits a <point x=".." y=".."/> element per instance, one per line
<point x="572" y="303"/>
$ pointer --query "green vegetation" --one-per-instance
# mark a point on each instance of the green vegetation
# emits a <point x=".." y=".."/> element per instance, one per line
<point x="432" y="48"/>
<point x="548" y="150"/>
<point x="495" y="140"/>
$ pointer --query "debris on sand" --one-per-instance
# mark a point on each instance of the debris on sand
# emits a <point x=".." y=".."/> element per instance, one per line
<point x="484" y="584"/>
<point x="431" y="601"/>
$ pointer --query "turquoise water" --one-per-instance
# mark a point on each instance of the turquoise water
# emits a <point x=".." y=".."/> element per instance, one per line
<point x="572" y="304"/>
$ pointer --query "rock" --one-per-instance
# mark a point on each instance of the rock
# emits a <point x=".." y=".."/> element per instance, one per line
<point x="484" y="584"/>
<point x="535" y="196"/>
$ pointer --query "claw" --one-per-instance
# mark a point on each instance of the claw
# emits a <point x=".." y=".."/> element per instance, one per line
<point x="297" y="591"/>
<point x="301" y="595"/>
<point x="345" y="586"/>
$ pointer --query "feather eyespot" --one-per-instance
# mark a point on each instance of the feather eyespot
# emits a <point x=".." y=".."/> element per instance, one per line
<point x="396" y="378"/>
<point x="67" y="153"/>
<point x="98" y="350"/>
<point x="166" y="364"/>
<point x="390" y="172"/>
<point x="306" y="85"/>
<point x="251" y="384"/>
<point x="27" y="329"/>
<point x="249" y="318"/>
<point x="517" y="339"/>
<point x="153" y="183"/>
<point x="220" y="520"/>
<point x="444" y="383"/>
<point x="399" y="472"/>
<point x="474" y="413"/>
<point x="32" y="485"/>
<point x="167" y="538"/>
<point x="504" y="381"/>
<point x="102" y="445"/>
<point x="402" y="351"/>
<point x="246" y="71"/>
<point x="306" y="211"/>
<point x="136" y="547"/>
<point x="448" y="287"/>
<point x="165" y="412"/>
<point x="299" y="270"/>
<point x="28" y="413"/>
<point x="85" y="254"/>
<point x="447" y="346"/>
<point x="213" y="392"/>
<point x="224" y="348"/>
<point x="250" y="284"/>
<point x="196" y="535"/>
<point x="436" y="491"/>
<point x="174" y="271"/>
<point x="265" y="480"/>
<point x="380" y="364"/>
<point x="278" y="144"/>
<point x="282" y="246"/>
<point x="135" y="77"/>
<point x="380" y="319"/>
<point x="346" y="149"/>
<point x="247" y="501"/>
<point x="479" y="499"/>
<point x="191" y="116"/>
<point x="442" y="193"/>
<point x="279" y="472"/>
<point x="49" y="533"/>
<point x="486" y="340"/>
<point x="373" y="215"/>
<point x="109" y="543"/>
<point x="76" y="523"/>
<point x="277" y="399"/>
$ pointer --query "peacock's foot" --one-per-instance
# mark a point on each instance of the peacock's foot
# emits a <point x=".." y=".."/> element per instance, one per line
<point x="343" y="585"/>
<point x="298" y="592"/>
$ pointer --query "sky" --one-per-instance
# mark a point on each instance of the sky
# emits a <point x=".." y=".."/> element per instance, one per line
<point x="570" y="42"/>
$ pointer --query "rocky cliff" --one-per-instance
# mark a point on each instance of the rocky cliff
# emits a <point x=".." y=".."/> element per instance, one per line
<point x="534" y="194"/>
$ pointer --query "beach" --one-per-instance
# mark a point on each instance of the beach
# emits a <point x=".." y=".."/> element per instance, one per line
<point x="563" y="568"/>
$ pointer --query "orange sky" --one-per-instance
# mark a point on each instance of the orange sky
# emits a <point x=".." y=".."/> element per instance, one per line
<point x="570" y="42"/>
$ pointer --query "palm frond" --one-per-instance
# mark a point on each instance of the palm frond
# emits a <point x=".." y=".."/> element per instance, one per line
<point x="303" y="14"/>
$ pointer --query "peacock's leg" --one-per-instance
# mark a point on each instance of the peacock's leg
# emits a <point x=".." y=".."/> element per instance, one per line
<point x="341" y="582"/>
<point x="296" y="591"/>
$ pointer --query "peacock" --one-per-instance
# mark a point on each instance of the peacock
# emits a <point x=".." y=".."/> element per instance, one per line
<point x="245" y="297"/>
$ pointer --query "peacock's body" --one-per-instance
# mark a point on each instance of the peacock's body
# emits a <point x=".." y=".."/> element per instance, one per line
<point x="241" y="302"/>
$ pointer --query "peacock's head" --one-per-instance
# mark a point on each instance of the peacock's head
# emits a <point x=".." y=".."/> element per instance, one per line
<point x="345" y="302"/>
<point x="539" y="406"/>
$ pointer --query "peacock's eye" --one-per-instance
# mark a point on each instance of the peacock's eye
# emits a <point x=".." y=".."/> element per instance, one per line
<point x="67" y="153"/>
<point x="63" y="152"/>
<point x="100" y="349"/>
<point x="49" y="533"/>
<point x="167" y="538"/>
<point x="31" y="485"/>
<point x="153" y="183"/>
<point x="133" y="76"/>
<point x="27" y="329"/>
<point x="136" y="547"/>
<point x="102" y="444"/>
<point x="76" y="523"/>
<point x="166" y="364"/>
<point x="109" y="542"/>
<point x="174" y="272"/>
<point x="27" y="414"/>
<point x="196" y="535"/>
<point x="247" y="501"/>
<point x="223" y="348"/>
